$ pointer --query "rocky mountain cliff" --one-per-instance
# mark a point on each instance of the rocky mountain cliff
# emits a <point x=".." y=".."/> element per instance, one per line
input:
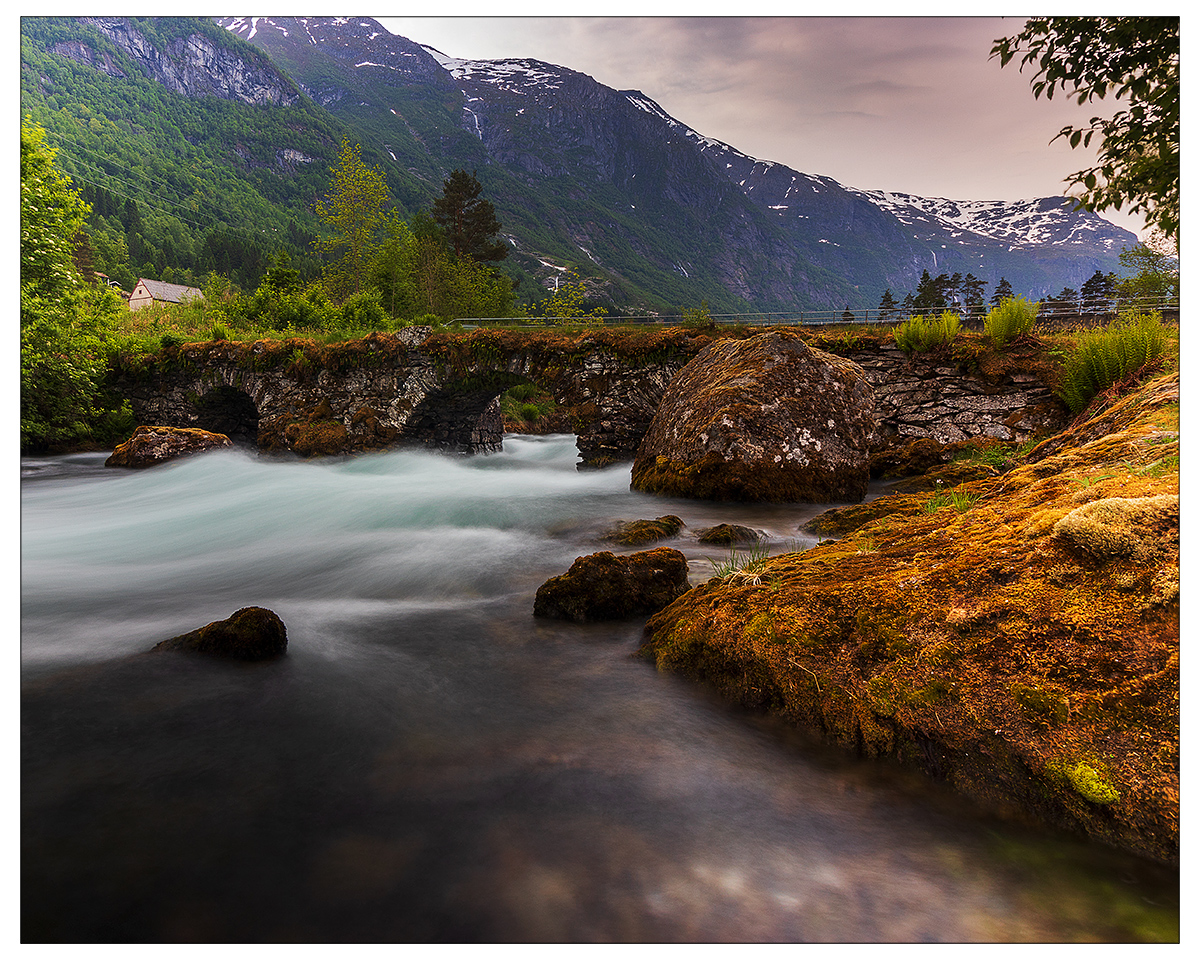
<point x="782" y="239"/>
<point x="654" y="214"/>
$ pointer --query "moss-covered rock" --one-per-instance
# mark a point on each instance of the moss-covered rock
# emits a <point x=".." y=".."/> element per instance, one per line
<point x="604" y="586"/>
<point x="1020" y="642"/>
<point x="150" y="446"/>
<point x="766" y="418"/>
<point x="728" y="535"/>
<point x="253" y="633"/>
<point x="636" y="533"/>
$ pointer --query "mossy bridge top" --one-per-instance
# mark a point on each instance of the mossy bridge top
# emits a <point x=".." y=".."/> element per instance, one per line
<point x="442" y="390"/>
<point x="414" y="387"/>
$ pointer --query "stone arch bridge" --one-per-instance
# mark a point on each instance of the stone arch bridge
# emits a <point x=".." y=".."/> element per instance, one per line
<point x="442" y="390"/>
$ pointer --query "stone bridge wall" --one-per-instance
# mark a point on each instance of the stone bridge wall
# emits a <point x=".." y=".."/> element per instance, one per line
<point x="442" y="391"/>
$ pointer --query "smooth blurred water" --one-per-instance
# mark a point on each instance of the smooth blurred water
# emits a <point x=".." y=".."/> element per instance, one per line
<point x="430" y="762"/>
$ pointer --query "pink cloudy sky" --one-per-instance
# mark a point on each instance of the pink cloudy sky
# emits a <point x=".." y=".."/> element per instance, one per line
<point x="911" y="104"/>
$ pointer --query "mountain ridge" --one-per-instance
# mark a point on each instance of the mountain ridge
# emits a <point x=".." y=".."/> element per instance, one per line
<point x="653" y="213"/>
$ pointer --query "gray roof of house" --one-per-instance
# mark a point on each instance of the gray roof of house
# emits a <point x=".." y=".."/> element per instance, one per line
<point x="170" y="292"/>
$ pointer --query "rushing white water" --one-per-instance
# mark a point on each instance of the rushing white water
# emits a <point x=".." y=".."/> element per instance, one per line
<point x="429" y="762"/>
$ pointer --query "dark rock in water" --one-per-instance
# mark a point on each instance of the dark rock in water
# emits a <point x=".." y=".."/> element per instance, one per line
<point x="153" y="445"/>
<point x="767" y="418"/>
<point x="603" y="586"/>
<point x="253" y="633"/>
<point x="637" y="532"/>
<point x="728" y="534"/>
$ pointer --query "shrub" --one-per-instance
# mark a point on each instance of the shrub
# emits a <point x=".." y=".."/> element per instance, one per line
<point x="362" y="311"/>
<point x="697" y="317"/>
<point x="1105" y="356"/>
<point x="921" y="334"/>
<point x="1011" y="318"/>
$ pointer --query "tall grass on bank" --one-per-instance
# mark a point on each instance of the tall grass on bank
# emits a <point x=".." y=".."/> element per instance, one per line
<point x="1107" y="355"/>
<point x="1009" y="319"/>
<point x="921" y="334"/>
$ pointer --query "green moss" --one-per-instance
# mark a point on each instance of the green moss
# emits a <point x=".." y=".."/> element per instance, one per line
<point x="1086" y="781"/>
<point x="637" y="532"/>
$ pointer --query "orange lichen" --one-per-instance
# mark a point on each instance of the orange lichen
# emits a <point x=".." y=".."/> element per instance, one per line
<point x="1028" y="659"/>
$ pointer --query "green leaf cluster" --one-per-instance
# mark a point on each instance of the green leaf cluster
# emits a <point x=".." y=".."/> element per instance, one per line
<point x="568" y="303"/>
<point x="1010" y="318"/>
<point x="65" y="321"/>
<point x="1136" y="59"/>
<point x="1105" y="356"/>
<point x="919" y="334"/>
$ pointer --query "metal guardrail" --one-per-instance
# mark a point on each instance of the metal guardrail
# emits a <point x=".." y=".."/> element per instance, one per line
<point x="1083" y="309"/>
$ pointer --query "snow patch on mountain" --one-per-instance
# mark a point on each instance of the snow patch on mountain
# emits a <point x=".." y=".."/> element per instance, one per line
<point x="1016" y="222"/>
<point x="513" y="76"/>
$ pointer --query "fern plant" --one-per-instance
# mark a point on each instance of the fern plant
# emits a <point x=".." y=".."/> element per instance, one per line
<point x="921" y="334"/>
<point x="1107" y="355"/>
<point x="1011" y="318"/>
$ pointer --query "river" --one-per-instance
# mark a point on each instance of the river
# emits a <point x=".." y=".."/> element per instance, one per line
<point x="429" y="762"/>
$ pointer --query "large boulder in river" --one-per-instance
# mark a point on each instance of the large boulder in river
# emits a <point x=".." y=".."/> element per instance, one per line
<point x="603" y="586"/>
<point x="253" y="633"/>
<point x="766" y="418"/>
<point x="153" y="445"/>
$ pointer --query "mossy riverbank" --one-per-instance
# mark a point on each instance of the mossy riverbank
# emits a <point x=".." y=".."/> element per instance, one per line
<point x="1016" y="636"/>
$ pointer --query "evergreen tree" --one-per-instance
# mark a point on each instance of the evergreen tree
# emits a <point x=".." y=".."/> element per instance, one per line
<point x="1066" y="302"/>
<point x="1004" y="291"/>
<point x="887" y="305"/>
<point x="972" y="295"/>
<point x="936" y="293"/>
<point x="1097" y="292"/>
<point x="468" y="220"/>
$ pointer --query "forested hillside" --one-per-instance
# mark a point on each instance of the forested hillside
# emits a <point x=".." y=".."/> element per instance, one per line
<point x="203" y="147"/>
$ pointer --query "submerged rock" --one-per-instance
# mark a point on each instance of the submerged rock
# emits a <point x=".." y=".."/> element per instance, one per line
<point x="603" y="586"/>
<point x="153" y="445"/>
<point x="253" y="633"/>
<point x="767" y="418"/>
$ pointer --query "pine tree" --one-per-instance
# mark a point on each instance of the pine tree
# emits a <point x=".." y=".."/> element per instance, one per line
<point x="972" y="295"/>
<point x="468" y="220"/>
<point x="1097" y="292"/>
<point x="887" y="305"/>
<point x="1004" y="291"/>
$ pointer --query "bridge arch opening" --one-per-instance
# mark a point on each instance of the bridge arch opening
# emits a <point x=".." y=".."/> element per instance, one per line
<point x="230" y="411"/>
<point x="466" y="416"/>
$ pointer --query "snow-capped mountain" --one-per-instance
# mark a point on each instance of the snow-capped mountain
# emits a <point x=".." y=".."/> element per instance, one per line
<point x="658" y="214"/>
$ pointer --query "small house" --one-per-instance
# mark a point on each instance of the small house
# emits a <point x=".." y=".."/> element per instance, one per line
<point x="156" y="291"/>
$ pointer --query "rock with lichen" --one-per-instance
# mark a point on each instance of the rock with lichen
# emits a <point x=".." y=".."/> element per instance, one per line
<point x="150" y="446"/>
<point x="252" y="633"/>
<point x="767" y="418"/>
<point x="636" y="533"/>
<point x="728" y="535"/>
<point x="1016" y="637"/>
<point x="604" y="586"/>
